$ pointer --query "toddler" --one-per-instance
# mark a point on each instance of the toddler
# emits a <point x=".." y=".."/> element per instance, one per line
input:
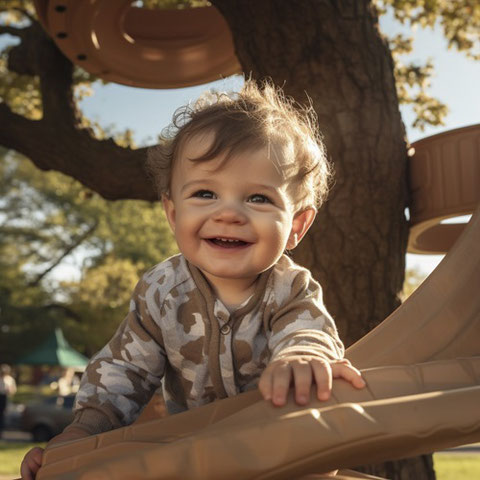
<point x="240" y="177"/>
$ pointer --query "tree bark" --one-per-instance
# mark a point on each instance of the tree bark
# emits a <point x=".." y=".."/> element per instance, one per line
<point x="356" y="248"/>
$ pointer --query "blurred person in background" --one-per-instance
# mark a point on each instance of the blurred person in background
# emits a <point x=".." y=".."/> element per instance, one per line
<point x="8" y="387"/>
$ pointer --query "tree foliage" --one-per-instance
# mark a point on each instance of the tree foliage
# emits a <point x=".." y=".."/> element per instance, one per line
<point x="459" y="21"/>
<point x="48" y="220"/>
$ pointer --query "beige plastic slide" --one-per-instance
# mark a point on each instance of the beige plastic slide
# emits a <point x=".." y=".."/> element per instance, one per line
<point x="402" y="413"/>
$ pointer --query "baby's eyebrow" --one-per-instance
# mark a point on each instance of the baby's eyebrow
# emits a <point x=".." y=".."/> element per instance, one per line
<point x="262" y="186"/>
<point x="193" y="183"/>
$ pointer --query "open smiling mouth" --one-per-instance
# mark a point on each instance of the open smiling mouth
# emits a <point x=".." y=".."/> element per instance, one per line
<point x="227" y="242"/>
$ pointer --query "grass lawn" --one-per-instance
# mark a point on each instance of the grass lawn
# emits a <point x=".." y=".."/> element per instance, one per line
<point x="459" y="466"/>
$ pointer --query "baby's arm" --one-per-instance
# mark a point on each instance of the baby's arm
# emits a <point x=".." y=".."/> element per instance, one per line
<point x="117" y="383"/>
<point x="121" y="378"/>
<point x="305" y="346"/>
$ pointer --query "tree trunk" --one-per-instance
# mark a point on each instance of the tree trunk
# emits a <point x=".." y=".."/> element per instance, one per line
<point x="356" y="248"/>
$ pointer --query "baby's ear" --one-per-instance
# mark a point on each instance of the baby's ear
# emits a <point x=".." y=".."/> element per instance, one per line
<point x="302" y="221"/>
<point x="169" y="208"/>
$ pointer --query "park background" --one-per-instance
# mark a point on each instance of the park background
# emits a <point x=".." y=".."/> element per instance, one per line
<point x="94" y="279"/>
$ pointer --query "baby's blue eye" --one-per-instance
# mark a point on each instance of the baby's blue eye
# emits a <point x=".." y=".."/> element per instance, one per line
<point x="258" y="198"/>
<point x="204" y="194"/>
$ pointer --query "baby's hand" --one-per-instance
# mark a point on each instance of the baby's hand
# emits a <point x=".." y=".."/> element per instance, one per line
<point x="33" y="458"/>
<point x="305" y="370"/>
<point x="31" y="463"/>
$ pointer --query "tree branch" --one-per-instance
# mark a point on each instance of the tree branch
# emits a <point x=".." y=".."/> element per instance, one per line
<point x="63" y="308"/>
<point x="78" y="241"/>
<point x="57" y="142"/>
<point x="13" y="128"/>
<point x="15" y="32"/>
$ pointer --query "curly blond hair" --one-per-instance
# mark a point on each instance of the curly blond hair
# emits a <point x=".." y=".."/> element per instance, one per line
<point x="259" y="116"/>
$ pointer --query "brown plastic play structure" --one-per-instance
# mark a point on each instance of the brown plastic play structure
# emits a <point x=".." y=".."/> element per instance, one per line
<point x="141" y="47"/>
<point x="444" y="183"/>
<point x="422" y="364"/>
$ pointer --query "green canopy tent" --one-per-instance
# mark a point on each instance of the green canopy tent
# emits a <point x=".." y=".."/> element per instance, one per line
<point x="55" y="351"/>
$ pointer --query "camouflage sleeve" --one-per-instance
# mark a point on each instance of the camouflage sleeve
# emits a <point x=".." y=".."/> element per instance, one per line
<point x="302" y="325"/>
<point x="121" y="378"/>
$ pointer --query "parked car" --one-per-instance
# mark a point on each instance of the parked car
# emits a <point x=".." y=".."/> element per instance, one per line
<point x="13" y="415"/>
<point x="48" y="417"/>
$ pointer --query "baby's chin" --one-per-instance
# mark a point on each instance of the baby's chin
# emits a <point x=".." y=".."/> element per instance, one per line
<point x="227" y="269"/>
<point x="228" y="274"/>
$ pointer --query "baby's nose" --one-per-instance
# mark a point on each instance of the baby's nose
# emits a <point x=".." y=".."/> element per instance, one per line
<point x="230" y="213"/>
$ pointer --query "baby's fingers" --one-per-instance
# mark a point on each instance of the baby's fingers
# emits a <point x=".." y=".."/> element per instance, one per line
<point x="348" y="372"/>
<point x="275" y="382"/>
<point x="281" y="378"/>
<point x="322" y="373"/>
<point x="302" y="375"/>
<point x="265" y="384"/>
<point x="31" y="463"/>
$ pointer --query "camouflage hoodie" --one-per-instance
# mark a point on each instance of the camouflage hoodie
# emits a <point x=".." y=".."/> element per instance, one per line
<point x="178" y="331"/>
